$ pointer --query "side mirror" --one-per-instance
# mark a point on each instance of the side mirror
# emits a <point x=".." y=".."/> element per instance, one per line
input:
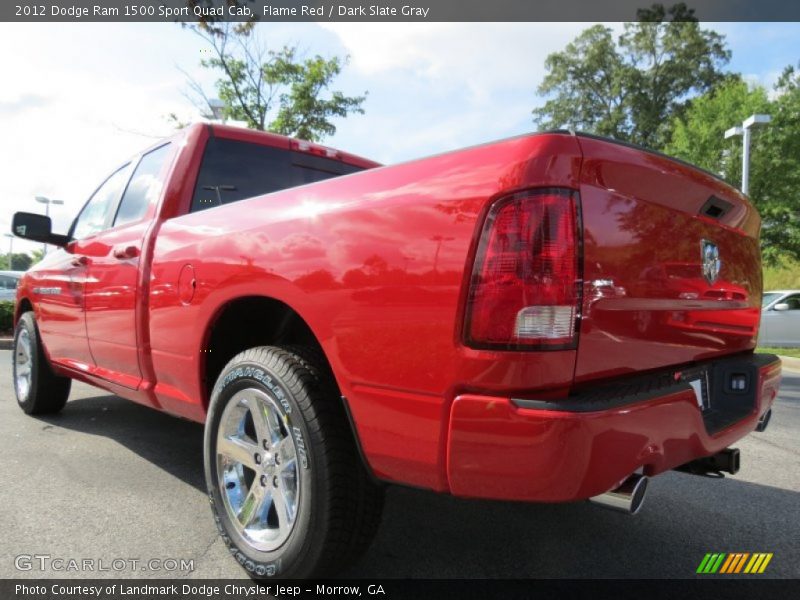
<point x="37" y="228"/>
<point x="781" y="306"/>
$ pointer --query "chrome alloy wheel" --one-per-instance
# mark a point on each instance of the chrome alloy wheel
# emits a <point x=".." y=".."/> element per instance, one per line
<point x="257" y="469"/>
<point x="23" y="357"/>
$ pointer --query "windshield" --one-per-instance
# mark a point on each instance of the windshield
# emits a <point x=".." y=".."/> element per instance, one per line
<point x="768" y="297"/>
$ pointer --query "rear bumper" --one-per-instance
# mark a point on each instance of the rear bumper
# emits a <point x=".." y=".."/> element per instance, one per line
<point x="587" y="444"/>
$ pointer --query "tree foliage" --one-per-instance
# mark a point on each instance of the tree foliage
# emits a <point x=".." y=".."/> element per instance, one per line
<point x="271" y="90"/>
<point x="36" y="256"/>
<point x="699" y="136"/>
<point x="775" y="153"/>
<point x="631" y="87"/>
<point x="6" y="316"/>
<point x="19" y="261"/>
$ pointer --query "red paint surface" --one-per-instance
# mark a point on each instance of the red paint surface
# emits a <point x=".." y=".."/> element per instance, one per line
<point x="376" y="263"/>
<point x="498" y="450"/>
<point x="646" y="303"/>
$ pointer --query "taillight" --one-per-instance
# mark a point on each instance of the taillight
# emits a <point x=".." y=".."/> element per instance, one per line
<point x="525" y="289"/>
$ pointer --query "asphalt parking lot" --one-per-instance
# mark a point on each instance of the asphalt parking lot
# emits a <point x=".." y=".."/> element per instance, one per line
<point x="107" y="479"/>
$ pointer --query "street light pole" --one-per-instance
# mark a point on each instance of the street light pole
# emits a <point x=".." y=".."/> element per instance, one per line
<point x="746" y="131"/>
<point x="47" y="202"/>
<point x="746" y="160"/>
<point x="10" y="237"/>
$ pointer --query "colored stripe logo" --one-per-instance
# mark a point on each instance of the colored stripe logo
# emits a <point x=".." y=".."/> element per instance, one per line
<point x="734" y="562"/>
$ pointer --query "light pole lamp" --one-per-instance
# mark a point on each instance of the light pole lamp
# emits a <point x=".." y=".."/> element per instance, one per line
<point x="217" y="107"/>
<point x="47" y="202"/>
<point x="745" y="131"/>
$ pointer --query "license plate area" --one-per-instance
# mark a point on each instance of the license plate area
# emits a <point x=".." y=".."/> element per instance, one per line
<point x="725" y="391"/>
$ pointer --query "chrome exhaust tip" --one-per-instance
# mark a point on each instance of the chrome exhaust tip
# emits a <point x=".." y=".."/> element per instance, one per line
<point x="627" y="498"/>
<point x="764" y="421"/>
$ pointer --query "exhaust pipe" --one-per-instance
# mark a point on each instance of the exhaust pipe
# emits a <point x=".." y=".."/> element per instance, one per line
<point x="764" y="421"/>
<point x="724" y="461"/>
<point x="627" y="498"/>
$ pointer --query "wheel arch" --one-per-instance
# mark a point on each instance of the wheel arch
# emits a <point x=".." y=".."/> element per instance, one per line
<point x="23" y="305"/>
<point x="260" y="320"/>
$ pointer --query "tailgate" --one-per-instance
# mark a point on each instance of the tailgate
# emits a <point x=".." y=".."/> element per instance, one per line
<point x="672" y="270"/>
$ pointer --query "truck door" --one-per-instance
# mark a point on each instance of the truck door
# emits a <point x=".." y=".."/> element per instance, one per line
<point x="112" y="284"/>
<point x="59" y="288"/>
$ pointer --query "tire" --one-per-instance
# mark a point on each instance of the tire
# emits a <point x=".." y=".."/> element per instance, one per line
<point x="39" y="390"/>
<point x="306" y="507"/>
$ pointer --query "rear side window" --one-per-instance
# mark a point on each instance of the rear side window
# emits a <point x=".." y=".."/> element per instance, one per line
<point x="233" y="170"/>
<point x="792" y="301"/>
<point x="95" y="215"/>
<point x="144" y="187"/>
<point x="8" y="283"/>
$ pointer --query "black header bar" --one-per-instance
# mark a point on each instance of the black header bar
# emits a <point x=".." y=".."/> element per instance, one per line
<point x="745" y="588"/>
<point x="383" y="10"/>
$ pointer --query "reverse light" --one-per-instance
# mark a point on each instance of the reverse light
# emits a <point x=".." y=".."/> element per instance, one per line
<point x="525" y="286"/>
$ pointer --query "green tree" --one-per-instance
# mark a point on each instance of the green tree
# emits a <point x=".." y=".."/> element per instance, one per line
<point x="271" y="90"/>
<point x="586" y="83"/>
<point x="36" y="256"/>
<point x="775" y="172"/>
<point x="19" y="261"/>
<point x="631" y="88"/>
<point x="698" y="137"/>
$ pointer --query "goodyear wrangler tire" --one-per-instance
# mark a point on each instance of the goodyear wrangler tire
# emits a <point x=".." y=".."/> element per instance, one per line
<point x="288" y="492"/>
<point x="38" y="389"/>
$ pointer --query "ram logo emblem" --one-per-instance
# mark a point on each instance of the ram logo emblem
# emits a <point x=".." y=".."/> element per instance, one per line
<point x="711" y="261"/>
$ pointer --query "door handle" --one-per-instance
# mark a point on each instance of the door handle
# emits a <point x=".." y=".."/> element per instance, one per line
<point x="79" y="261"/>
<point x="126" y="252"/>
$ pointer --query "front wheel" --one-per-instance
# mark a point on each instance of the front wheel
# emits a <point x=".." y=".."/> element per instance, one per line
<point x="288" y="491"/>
<point x="39" y="390"/>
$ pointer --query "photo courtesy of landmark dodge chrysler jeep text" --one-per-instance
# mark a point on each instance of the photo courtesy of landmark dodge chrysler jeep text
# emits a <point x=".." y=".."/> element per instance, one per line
<point x="548" y="318"/>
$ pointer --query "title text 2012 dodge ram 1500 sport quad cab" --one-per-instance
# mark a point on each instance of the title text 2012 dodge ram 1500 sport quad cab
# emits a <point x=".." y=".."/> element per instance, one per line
<point x="548" y="318"/>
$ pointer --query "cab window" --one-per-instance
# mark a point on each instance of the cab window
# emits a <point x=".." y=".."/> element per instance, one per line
<point x="95" y="216"/>
<point x="144" y="187"/>
<point x="232" y="170"/>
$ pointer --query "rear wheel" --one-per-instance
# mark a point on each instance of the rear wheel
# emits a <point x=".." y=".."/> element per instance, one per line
<point x="289" y="493"/>
<point x="39" y="390"/>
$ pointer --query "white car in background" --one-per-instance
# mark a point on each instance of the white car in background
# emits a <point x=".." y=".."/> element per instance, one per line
<point x="780" y="319"/>
<point x="8" y="284"/>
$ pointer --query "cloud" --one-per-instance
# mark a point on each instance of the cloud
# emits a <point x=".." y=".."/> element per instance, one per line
<point x="22" y="103"/>
<point x="483" y="57"/>
<point x="435" y="87"/>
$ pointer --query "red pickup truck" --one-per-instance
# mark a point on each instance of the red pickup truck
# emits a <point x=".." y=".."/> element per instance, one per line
<point x="505" y="321"/>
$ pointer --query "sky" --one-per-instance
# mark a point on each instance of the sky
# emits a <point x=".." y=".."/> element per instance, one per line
<point x="76" y="100"/>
